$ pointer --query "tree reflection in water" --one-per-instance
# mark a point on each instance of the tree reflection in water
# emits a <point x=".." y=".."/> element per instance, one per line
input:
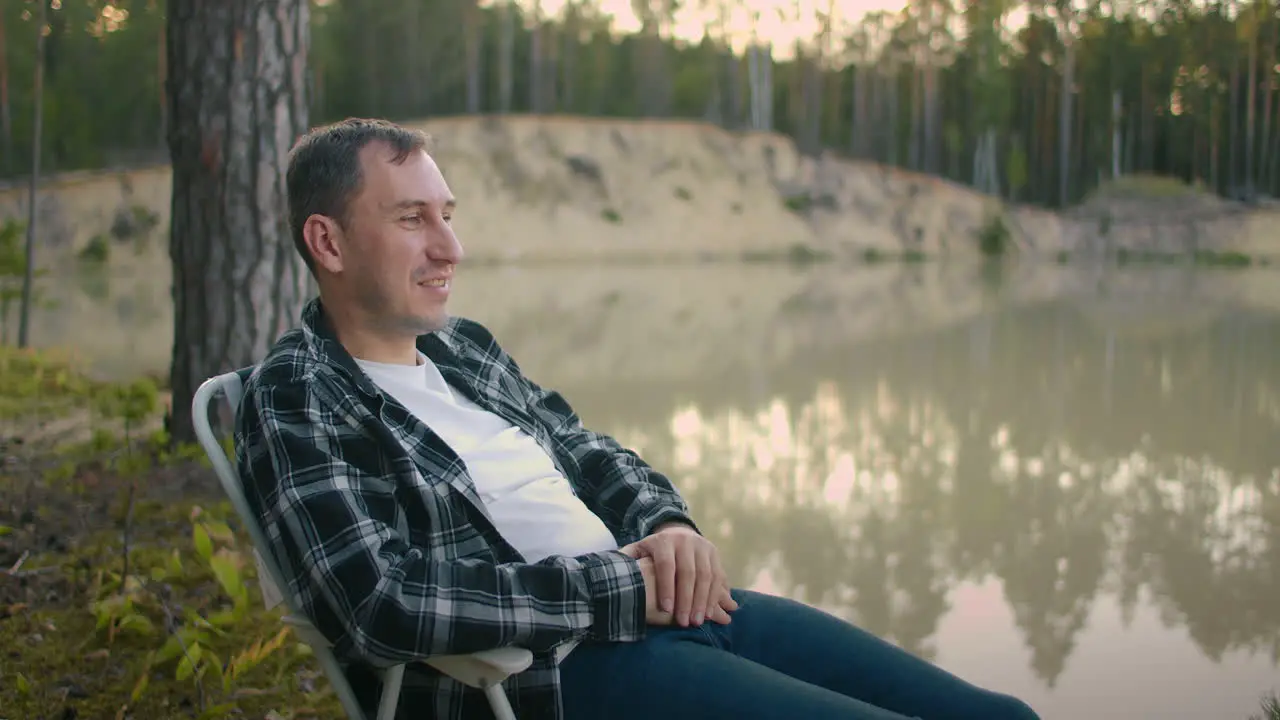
<point x="1065" y="460"/>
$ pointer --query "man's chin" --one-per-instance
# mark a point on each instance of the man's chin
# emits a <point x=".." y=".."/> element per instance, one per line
<point x="433" y="322"/>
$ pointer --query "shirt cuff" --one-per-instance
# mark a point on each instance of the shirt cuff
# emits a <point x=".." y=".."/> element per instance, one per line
<point x="617" y="597"/>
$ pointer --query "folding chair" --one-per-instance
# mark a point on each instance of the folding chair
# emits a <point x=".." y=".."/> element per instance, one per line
<point x="486" y="670"/>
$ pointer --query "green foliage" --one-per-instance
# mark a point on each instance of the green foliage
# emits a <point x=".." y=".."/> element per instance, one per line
<point x="158" y="589"/>
<point x="1223" y="259"/>
<point x="46" y="383"/>
<point x="1146" y="187"/>
<point x="195" y="642"/>
<point x="98" y="250"/>
<point x="798" y="203"/>
<point x="994" y="238"/>
<point x="1270" y="708"/>
<point x="13" y="267"/>
<point x="105" y="81"/>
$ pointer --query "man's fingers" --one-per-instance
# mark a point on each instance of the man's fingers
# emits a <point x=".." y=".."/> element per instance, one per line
<point x="718" y="615"/>
<point x="726" y="600"/>
<point x="664" y="572"/>
<point x="686" y="578"/>
<point x="703" y="599"/>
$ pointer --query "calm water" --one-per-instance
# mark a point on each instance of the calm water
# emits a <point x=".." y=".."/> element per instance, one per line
<point x="1061" y="484"/>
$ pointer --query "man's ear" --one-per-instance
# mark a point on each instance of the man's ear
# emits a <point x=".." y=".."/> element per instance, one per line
<point x="324" y="238"/>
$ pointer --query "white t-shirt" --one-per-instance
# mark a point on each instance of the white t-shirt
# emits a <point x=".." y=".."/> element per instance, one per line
<point x="530" y="502"/>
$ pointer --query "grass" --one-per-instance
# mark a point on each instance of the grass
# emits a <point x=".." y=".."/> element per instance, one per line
<point x="125" y="590"/>
<point x="1145" y="187"/>
<point x="1205" y="258"/>
<point x="1270" y="707"/>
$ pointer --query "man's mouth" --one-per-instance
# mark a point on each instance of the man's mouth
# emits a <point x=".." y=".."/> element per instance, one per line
<point x="438" y="282"/>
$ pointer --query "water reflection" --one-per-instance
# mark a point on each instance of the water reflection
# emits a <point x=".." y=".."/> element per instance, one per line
<point x="1029" y="446"/>
<point x="1062" y="483"/>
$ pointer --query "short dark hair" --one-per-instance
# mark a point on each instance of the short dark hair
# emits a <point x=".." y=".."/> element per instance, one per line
<point x="324" y="169"/>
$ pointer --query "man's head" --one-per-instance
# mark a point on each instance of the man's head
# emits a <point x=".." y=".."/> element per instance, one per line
<point x="370" y="211"/>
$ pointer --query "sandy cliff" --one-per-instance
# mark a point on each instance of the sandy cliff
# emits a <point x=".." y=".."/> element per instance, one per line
<point x="557" y="188"/>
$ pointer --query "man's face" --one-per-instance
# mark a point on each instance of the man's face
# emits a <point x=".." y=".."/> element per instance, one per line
<point x="399" y="250"/>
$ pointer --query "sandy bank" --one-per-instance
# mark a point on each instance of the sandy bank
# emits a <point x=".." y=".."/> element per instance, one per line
<point x="538" y="188"/>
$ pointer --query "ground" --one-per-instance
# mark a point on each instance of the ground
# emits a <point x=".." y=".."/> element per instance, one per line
<point x="81" y="508"/>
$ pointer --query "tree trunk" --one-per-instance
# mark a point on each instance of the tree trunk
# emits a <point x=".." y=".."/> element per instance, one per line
<point x="1251" y="113"/>
<point x="473" y="40"/>
<point x="506" y="57"/>
<point x="1064" y="122"/>
<point x="238" y="100"/>
<point x="1233" y="176"/>
<point x="6" y="119"/>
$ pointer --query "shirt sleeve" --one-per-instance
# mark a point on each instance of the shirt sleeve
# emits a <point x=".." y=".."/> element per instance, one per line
<point x="329" y="512"/>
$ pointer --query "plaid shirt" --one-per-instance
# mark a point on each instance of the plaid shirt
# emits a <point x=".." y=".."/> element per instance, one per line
<point x="385" y="543"/>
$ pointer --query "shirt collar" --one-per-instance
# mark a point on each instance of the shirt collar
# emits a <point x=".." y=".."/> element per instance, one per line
<point x="323" y="341"/>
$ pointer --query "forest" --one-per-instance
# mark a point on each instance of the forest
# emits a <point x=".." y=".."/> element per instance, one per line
<point x="1036" y="102"/>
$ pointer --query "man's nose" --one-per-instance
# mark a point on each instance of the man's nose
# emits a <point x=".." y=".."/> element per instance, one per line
<point x="445" y="247"/>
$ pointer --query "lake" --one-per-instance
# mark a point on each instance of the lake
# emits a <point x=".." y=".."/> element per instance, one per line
<point x="1062" y="483"/>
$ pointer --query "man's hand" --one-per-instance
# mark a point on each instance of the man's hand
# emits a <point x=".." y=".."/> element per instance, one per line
<point x="655" y="615"/>
<point x="687" y="582"/>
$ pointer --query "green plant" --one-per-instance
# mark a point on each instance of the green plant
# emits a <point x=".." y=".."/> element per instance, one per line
<point x="1270" y="708"/>
<point x="192" y="643"/>
<point x="798" y="203"/>
<point x="994" y="238"/>
<point x="13" y="268"/>
<point x="171" y="620"/>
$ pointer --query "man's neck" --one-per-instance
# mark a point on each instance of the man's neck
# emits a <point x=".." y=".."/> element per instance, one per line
<point x="364" y="341"/>
<point x="366" y="346"/>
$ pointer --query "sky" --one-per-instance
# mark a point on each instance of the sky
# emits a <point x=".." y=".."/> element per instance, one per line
<point x="782" y="33"/>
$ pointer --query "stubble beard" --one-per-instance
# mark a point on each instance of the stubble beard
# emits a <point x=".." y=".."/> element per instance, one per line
<point x="381" y="309"/>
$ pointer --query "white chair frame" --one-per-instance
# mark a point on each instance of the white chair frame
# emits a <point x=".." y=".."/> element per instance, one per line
<point x="486" y="670"/>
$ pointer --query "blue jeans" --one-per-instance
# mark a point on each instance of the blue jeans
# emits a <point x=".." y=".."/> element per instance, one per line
<point x="777" y="659"/>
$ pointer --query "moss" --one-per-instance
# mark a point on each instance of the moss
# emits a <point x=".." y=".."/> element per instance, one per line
<point x="611" y="216"/>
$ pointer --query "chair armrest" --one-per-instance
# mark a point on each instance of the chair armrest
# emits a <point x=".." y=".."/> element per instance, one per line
<point x="485" y="668"/>
<point x="479" y="669"/>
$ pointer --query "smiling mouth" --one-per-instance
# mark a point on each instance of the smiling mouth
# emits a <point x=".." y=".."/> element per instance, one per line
<point x="438" y="282"/>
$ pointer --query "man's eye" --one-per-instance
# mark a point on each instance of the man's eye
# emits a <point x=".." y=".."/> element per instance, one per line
<point x="448" y="218"/>
<point x="411" y="218"/>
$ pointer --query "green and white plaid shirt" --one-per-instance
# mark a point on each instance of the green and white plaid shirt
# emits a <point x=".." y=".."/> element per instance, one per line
<point x="385" y="543"/>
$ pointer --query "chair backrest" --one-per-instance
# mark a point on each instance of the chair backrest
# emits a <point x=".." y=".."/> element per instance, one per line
<point x="231" y="386"/>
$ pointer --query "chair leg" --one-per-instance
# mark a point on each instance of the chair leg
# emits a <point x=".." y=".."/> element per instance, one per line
<point x="498" y="701"/>
<point x="391" y="681"/>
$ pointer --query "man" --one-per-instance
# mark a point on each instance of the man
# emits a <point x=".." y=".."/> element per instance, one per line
<point x="425" y="497"/>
